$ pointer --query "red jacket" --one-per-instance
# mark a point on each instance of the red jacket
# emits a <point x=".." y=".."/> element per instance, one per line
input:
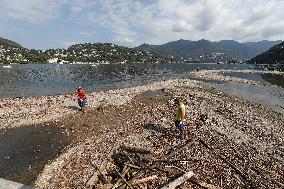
<point x="81" y="94"/>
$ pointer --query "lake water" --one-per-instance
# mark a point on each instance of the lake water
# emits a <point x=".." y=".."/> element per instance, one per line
<point x="47" y="79"/>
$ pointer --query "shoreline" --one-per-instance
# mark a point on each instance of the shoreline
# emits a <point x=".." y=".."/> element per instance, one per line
<point x="15" y="112"/>
<point x="20" y="111"/>
<point x="228" y="118"/>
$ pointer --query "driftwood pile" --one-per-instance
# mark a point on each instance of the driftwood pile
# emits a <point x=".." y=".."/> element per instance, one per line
<point x="135" y="167"/>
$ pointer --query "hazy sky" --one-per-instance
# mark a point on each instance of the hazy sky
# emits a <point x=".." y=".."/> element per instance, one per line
<point x="43" y="24"/>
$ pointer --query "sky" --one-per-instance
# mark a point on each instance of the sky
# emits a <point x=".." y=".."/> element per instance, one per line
<point x="43" y="24"/>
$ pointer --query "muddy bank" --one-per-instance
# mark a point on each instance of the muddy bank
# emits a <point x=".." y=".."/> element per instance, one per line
<point x="246" y="134"/>
<point x="26" y="150"/>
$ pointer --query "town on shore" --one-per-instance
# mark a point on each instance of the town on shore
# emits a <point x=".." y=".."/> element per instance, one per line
<point x="201" y="51"/>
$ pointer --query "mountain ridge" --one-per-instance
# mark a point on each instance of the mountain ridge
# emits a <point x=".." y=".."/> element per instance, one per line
<point x="181" y="50"/>
<point x="232" y="48"/>
<point x="275" y="55"/>
<point x="78" y="53"/>
<point x="9" y="43"/>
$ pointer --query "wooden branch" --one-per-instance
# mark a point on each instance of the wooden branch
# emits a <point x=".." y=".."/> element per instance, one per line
<point x="102" y="176"/>
<point x="144" y="180"/>
<point x="203" y="184"/>
<point x="172" y="166"/>
<point x="136" y="149"/>
<point x="123" y="179"/>
<point x="145" y="157"/>
<point x="179" y="181"/>
<point x="140" y="173"/>
<point x="179" y="149"/>
<point x="104" y="186"/>
<point x="132" y="166"/>
<point x="175" y="160"/>
<point x="125" y="170"/>
<point x="128" y="157"/>
<point x="93" y="180"/>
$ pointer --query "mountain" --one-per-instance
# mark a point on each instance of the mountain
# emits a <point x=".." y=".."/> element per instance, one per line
<point x="235" y="48"/>
<point x="6" y="43"/>
<point x="183" y="48"/>
<point x="262" y="46"/>
<point x="105" y="52"/>
<point x="246" y="50"/>
<point x="12" y="52"/>
<point x="226" y="49"/>
<point x="275" y="55"/>
<point x="194" y="51"/>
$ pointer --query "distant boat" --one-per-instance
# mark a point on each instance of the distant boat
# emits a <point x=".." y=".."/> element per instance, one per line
<point x="7" y="66"/>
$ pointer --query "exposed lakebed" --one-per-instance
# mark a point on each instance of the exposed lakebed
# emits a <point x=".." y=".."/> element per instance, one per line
<point x="266" y="78"/>
<point x="25" y="150"/>
<point x="263" y="87"/>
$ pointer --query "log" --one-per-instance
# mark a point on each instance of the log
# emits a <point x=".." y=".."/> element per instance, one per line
<point x="125" y="170"/>
<point x="132" y="166"/>
<point x="144" y="180"/>
<point x="176" y="160"/>
<point x="203" y="184"/>
<point x="128" y="157"/>
<point x="179" y="181"/>
<point x="101" y="175"/>
<point x="123" y="179"/>
<point x="93" y="180"/>
<point x="136" y="149"/>
<point x="179" y="149"/>
<point x="172" y="166"/>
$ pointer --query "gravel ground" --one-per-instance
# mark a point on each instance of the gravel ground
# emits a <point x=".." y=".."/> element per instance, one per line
<point x="217" y="75"/>
<point x="238" y="144"/>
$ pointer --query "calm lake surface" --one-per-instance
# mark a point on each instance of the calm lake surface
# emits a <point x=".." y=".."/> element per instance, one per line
<point x="46" y="79"/>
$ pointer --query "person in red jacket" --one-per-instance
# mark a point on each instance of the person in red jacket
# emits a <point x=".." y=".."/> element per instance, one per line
<point x="81" y="98"/>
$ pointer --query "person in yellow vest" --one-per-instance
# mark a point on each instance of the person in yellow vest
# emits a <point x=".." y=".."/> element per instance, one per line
<point x="180" y="117"/>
